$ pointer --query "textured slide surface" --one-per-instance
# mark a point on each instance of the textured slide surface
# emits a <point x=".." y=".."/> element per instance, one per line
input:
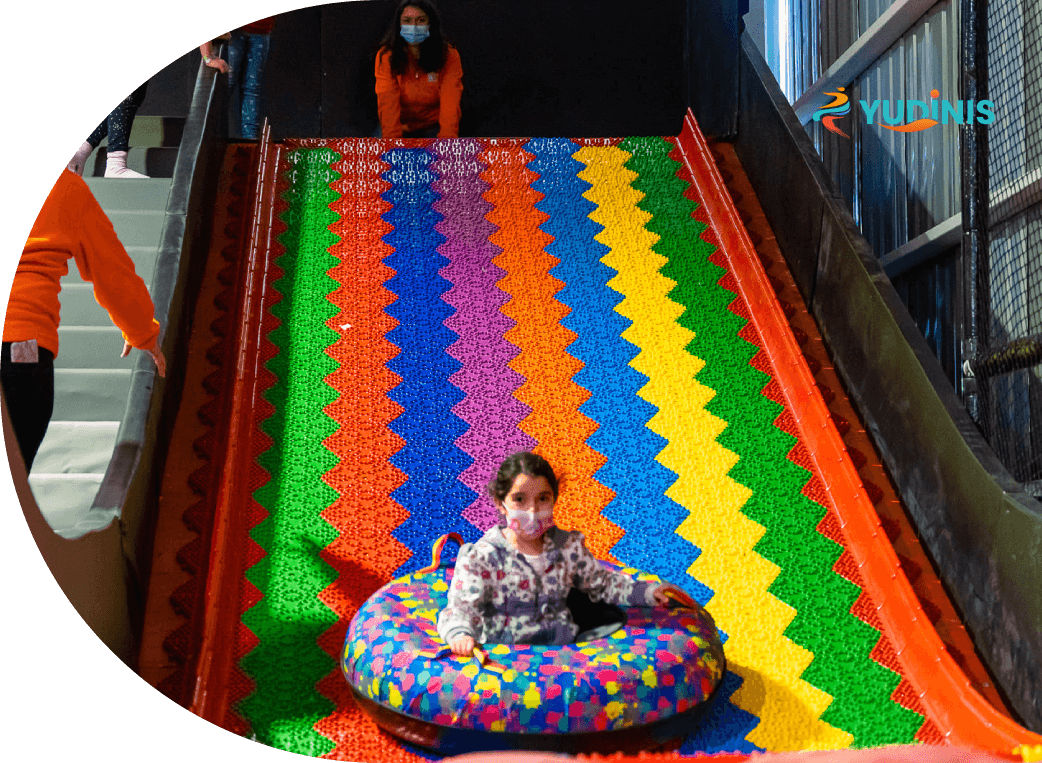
<point x="440" y="304"/>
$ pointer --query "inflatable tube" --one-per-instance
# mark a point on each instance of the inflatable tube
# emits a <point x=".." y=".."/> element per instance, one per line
<point x="640" y="685"/>
<point x="920" y="753"/>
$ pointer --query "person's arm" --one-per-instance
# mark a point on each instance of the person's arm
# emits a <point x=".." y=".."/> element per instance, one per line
<point x="103" y="261"/>
<point x="206" y="49"/>
<point x="388" y="96"/>
<point x="450" y="90"/>
<point x="462" y="614"/>
<point x="603" y="584"/>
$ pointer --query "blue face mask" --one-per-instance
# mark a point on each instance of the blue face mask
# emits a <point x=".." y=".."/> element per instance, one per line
<point x="414" y="34"/>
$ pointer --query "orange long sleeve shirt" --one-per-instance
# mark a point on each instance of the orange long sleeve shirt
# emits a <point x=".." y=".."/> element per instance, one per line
<point x="73" y="225"/>
<point x="416" y="100"/>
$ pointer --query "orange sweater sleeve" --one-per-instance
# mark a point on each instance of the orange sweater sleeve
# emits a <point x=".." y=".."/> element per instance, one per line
<point x="451" y="81"/>
<point x="388" y="96"/>
<point x="72" y="225"/>
<point x="102" y="260"/>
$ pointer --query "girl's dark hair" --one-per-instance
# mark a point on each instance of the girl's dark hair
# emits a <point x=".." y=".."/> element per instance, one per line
<point x="529" y="464"/>
<point x="432" y="50"/>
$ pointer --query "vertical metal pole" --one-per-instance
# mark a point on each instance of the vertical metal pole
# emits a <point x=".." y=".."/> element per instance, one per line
<point x="974" y="149"/>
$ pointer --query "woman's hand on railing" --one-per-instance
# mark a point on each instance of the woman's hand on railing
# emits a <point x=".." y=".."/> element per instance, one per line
<point x="155" y="352"/>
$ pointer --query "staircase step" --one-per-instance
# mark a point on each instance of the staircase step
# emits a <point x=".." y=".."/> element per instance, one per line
<point x="65" y="501"/>
<point x="144" y="196"/>
<point x="91" y="394"/>
<point x="76" y="447"/>
<point x="150" y="131"/>
<point x="79" y="308"/>
<point x="90" y="347"/>
<point x="136" y="228"/>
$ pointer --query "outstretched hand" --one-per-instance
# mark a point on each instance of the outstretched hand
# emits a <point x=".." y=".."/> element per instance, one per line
<point x="661" y="599"/>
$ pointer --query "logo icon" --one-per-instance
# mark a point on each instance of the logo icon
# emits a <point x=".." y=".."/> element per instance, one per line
<point x="829" y="113"/>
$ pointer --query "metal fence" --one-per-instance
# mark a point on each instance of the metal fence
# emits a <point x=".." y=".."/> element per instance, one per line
<point x="1006" y="359"/>
<point x="953" y="212"/>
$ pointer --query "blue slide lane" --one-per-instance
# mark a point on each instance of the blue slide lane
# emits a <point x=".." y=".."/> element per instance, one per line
<point x="433" y="494"/>
<point x="640" y="506"/>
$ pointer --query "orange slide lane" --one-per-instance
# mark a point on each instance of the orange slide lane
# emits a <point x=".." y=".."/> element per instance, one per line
<point x="365" y="554"/>
<point x="555" y="422"/>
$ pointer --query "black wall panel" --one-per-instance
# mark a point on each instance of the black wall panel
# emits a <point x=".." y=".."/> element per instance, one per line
<point x="293" y="78"/>
<point x="534" y="68"/>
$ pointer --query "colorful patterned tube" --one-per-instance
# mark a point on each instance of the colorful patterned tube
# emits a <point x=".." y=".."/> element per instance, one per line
<point x="640" y="686"/>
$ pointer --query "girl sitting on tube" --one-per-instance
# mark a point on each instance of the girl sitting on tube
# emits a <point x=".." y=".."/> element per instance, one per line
<point x="511" y="586"/>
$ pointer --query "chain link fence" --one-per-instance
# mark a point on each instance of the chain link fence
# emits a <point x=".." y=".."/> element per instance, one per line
<point x="1007" y="361"/>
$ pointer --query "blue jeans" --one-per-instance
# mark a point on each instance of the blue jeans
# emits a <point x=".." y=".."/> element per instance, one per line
<point x="247" y="54"/>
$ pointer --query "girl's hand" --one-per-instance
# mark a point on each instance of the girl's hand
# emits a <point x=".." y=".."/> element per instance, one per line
<point x="462" y="646"/>
<point x="660" y="594"/>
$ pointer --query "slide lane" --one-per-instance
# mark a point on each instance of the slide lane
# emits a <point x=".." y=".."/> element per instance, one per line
<point x="489" y="409"/>
<point x="622" y="435"/>
<point x="706" y="376"/>
<point x="365" y="514"/>
<point x="432" y="493"/>
<point x="776" y="500"/>
<point x="693" y="435"/>
<point x="290" y="617"/>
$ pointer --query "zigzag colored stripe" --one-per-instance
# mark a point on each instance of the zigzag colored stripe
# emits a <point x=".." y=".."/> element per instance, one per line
<point x="768" y="662"/>
<point x="289" y="619"/>
<point x="584" y="512"/>
<point x="240" y="685"/>
<point x="554" y="422"/>
<point x="810" y="581"/>
<point x="433" y="494"/>
<point x="365" y="555"/>
<point x="842" y="644"/>
<point x="489" y="407"/>
<point x="636" y="427"/>
<point x="699" y="465"/>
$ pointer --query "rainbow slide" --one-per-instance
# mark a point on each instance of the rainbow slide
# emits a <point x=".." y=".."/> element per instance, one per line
<point x="413" y="311"/>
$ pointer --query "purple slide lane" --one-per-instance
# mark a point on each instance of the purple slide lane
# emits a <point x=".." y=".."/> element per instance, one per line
<point x="489" y="408"/>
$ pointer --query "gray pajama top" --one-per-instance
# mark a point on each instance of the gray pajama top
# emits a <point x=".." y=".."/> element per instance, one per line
<point x="497" y="597"/>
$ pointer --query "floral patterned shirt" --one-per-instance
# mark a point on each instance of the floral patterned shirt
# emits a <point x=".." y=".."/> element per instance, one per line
<point x="497" y="597"/>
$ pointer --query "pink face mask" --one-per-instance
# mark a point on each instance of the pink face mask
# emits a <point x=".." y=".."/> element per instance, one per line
<point x="528" y="523"/>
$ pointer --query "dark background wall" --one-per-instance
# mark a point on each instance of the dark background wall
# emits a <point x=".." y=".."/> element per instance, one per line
<point x="577" y="68"/>
<point x="532" y="68"/>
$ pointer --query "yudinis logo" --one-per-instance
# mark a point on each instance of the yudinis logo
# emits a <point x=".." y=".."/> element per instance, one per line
<point x="906" y="116"/>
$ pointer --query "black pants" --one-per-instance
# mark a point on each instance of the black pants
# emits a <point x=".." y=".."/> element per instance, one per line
<point x="29" y="391"/>
<point x="117" y="124"/>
